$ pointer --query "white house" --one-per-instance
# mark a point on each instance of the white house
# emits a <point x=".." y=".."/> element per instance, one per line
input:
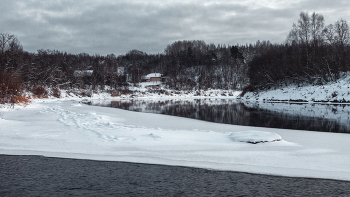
<point x="152" y="77"/>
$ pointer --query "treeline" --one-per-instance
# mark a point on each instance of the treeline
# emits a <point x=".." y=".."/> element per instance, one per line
<point x="184" y="64"/>
<point x="192" y="65"/>
<point x="312" y="54"/>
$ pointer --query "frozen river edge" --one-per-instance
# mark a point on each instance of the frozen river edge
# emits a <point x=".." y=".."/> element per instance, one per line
<point x="58" y="128"/>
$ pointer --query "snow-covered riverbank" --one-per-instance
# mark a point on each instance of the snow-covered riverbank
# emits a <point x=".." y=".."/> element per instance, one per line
<point x="67" y="128"/>
<point x="338" y="92"/>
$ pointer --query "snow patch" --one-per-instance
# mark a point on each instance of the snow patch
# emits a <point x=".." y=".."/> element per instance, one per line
<point x="76" y="105"/>
<point x="254" y="137"/>
<point x="335" y="92"/>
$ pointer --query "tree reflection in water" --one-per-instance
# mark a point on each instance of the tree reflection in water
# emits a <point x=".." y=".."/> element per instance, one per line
<point x="314" y="117"/>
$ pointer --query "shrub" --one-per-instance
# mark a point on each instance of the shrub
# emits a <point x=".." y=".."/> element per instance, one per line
<point x="20" y="99"/>
<point x="114" y="93"/>
<point x="40" y="92"/>
<point x="120" y="91"/>
<point x="56" y="92"/>
<point x="10" y="85"/>
<point x="249" y="88"/>
<point x="334" y="94"/>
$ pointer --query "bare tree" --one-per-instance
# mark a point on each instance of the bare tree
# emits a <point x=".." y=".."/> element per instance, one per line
<point x="15" y="46"/>
<point x="5" y="40"/>
<point x="293" y="36"/>
<point x="342" y="40"/>
<point x="317" y="27"/>
<point x="10" y="55"/>
<point x="342" y="32"/>
<point x="304" y="28"/>
<point x="329" y="33"/>
<point x="309" y="29"/>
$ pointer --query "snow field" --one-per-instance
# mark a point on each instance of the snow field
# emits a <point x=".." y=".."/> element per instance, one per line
<point x="338" y="92"/>
<point x="67" y="128"/>
<point x="142" y="92"/>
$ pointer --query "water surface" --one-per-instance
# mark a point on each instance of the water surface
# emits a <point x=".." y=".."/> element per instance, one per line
<point x="313" y="117"/>
<point x="43" y="176"/>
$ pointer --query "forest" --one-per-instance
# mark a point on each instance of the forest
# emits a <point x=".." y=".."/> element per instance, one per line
<point x="313" y="53"/>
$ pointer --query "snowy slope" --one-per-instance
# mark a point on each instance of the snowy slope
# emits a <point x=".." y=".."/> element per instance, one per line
<point x="338" y="91"/>
<point x="67" y="128"/>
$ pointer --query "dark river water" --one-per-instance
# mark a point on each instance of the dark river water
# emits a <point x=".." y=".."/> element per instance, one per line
<point x="313" y="117"/>
<point x="44" y="176"/>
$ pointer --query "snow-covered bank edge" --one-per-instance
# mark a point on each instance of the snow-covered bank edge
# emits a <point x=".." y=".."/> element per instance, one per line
<point x="333" y="92"/>
<point x="133" y="93"/>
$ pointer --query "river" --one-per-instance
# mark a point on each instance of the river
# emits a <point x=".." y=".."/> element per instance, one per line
<point x="322" y="117"/>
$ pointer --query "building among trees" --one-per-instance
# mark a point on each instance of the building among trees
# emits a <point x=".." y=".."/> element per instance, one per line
<point x="153" y="77"/>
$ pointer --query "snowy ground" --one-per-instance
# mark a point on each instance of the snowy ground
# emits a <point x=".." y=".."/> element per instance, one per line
<point x="67" y="128"/>
<point x="147" y="90"/>
<point x="338" y="92"/>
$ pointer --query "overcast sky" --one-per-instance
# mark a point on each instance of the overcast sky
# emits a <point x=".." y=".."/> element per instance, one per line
<point x="106" y="26"/>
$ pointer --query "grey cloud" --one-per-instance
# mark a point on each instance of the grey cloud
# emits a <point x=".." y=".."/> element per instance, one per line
<point x="117" y="27"/>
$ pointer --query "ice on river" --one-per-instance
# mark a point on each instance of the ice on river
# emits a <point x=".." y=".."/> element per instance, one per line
<point x="70" y="129"/>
